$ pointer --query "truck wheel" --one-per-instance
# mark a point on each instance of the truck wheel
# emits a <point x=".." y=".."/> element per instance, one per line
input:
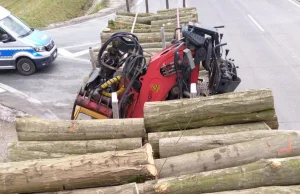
<point x="26" y="66"/>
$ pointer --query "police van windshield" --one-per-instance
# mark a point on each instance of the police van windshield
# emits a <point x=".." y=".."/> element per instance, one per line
<point x="14" y="26"/>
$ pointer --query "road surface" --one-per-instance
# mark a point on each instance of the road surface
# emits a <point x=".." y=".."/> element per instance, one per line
<point x="262" y="36"/>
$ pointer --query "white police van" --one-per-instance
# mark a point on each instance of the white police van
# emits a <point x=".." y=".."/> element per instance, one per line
<point x="21" y="47"/>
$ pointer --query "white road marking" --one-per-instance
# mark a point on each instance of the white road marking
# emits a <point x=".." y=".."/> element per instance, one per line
<point x="294" y="3"/>
<point x="256" y="23"/>
<point x="2" y="90"/>
<point x="19" y="94"/>
<point x="80" y="53"/>
<point x="25" y="97"/>
<point x="64" y="52"/>
<point x="76" y="59"/>
<point x="80" y="45"/>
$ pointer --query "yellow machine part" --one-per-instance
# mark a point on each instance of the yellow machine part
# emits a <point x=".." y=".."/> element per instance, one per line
<point x="80" y="109"/>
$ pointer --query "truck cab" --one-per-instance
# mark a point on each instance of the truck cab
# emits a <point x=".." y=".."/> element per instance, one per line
<point x="23" y="48"/>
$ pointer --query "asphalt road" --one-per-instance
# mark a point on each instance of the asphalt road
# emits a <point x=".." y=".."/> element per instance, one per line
<point x="262" y="36"/>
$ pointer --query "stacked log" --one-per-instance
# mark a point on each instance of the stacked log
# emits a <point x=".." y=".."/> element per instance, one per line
<point x="148" y="27"/>
<point x="92" y="170"/>
<point x="241" y="153"/>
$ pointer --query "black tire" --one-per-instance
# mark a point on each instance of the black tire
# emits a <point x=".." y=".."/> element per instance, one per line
<point x="26" y="66"/>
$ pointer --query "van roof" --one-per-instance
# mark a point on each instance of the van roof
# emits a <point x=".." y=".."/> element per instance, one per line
<point x="3" y="12"/>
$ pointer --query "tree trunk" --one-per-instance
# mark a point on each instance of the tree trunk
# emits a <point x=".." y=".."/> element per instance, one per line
<point x="185" y="19"/>
<point x="83" y="171"/>
<point x="37" y="129"/>
<point x="175" y="146"/>
<point x="277" y="172"/>
<point x="280" y="146"/>
<point x="154" y="138"/>
<point x="174" y="10"/>
<point x="149" y="19"/>
<point x="143" y="37"/>
<point x="224" y="109"/>
<point x="16" y="151"/>
<point x="121" y="189"/>
<point x="294" y="189"/>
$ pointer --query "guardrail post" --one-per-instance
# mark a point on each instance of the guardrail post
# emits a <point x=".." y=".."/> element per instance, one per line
<point x="127" y="5"/>
<point x="147" y="7"/>
<point x="167" y="4"/>
<point x="163" y="37"/>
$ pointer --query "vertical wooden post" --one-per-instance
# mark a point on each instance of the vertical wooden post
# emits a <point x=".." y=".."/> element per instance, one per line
<point x="147" y="7"/>
<point x="184" y="5"/>
<point x="127" y="5"/>
<point x="163" y="37"/>
<point x="167" y="4"/>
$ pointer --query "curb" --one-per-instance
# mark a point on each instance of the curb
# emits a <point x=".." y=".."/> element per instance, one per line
<point x="101" y="13"/>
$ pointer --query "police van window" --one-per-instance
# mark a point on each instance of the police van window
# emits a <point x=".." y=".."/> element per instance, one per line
<point x="14" y="26"/>
<point x="1" y="33"/>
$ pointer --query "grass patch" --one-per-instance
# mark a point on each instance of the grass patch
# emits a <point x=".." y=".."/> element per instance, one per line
<point x="40" y="13"/>
<point x="103" y="4"/>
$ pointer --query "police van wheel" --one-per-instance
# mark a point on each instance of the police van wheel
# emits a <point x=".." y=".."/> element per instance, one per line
<point x="26" y="66"/>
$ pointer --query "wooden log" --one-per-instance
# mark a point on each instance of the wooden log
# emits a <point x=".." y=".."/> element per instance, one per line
<point x="122" y="24"/>
<point x="132" y="14"/>
<point x="277" y="172"/>
<point x="37" y="129"/>
<point x="130" y="188"/>
<point x="148" y="20"/>
<point x="74" y="172"/>
<point x="167" y="11"/>
<point x="153" y="138"/>
<point x="224" y="109"/>
<point x="280" y="146"/>
<point x="191" y="18"/>
<point x="50" y="149"/>
<point x="294" y="189"/>
<point x="175" y="146"/>
<point x="143" y="37"/>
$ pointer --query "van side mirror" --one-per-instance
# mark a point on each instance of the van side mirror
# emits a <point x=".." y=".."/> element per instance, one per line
<point x="4" y="38"/>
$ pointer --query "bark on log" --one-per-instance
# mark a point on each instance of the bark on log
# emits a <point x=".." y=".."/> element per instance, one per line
<point x="181" y="10"/>
<point x="153" y="138"/>
<point x="224" y="109"/>
<point x="191" y="18"/>
<point x="277" y="172"/>
<point x="83" y="171"/>
<point x="121" y="189"/>
<point x="148" y="20"/>
<point x="176" y="146"/>
<point x="143" y="37"/>
<point x="280" y="146"/>
<point x="294" y="189"/>
<point x="49" y="149"/>
<point x="37" y="129"/>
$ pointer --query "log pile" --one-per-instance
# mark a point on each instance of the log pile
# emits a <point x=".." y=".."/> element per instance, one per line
<point x="148" y="27"/>
<point x="222" y="143"/>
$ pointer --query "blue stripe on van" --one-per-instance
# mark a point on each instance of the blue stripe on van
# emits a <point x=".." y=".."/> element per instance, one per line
<point x="5" y="53"/>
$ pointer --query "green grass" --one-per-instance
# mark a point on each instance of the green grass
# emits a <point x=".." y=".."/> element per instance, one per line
<point x="103" y="4"/>
<point x="40" y="13"/>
